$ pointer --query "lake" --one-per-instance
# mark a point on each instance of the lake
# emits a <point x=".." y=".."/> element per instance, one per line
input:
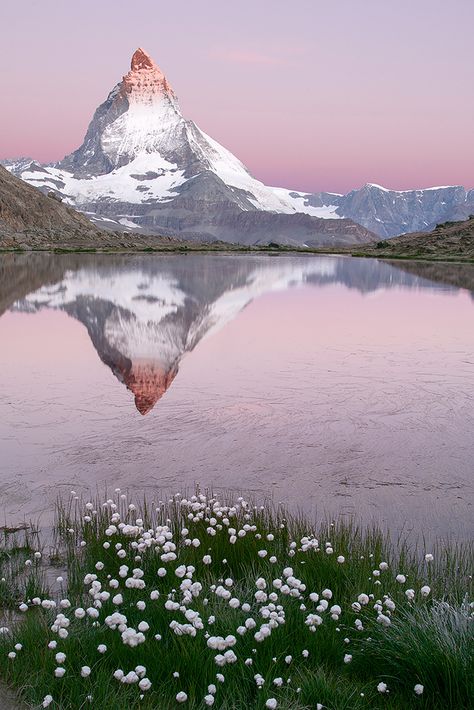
<point x="337" y="385"/>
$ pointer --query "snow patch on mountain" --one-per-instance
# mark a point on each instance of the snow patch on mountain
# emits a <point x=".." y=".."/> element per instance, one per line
<point x="147" y="177"/>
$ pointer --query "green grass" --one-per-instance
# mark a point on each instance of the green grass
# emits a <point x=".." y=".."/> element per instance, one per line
<point x="429" y="641"/>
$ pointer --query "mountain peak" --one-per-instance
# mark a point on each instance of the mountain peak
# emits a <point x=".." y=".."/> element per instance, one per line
<point x="145" y="82"/>
<point x="141" y="60"/>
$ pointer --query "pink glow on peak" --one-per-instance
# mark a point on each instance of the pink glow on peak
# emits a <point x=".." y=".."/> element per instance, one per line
<point x="145" y="82"/>
<point x="141" y="60"/>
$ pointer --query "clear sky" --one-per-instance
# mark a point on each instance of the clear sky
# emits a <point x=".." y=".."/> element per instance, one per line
<point x="309" y="94"/>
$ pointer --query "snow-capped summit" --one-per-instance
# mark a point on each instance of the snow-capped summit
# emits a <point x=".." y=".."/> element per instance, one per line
<point x="145" y="167"/>
<point x="147" y="110"/>
<point x="138" y="116"/>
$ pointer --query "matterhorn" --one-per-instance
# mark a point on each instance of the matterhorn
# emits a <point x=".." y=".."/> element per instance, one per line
<point x="145" y="167"/>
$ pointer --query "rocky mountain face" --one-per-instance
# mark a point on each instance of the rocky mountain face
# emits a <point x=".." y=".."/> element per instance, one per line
<point x="389" y="213"/>
<point x="145" y="313"/>
<point x="144" y="167"/>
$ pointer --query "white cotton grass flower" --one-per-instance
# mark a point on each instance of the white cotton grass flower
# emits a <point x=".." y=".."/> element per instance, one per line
<point x="429" y="558"/>
<point x="59" y="672"/>
<point x="47" y="700"/>
<point x="418" y="689"/>
<point x="259" y="603"/>
<point x="60" y="657"/>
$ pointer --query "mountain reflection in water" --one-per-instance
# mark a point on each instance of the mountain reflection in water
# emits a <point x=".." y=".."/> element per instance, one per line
<point x="144" y="313"/>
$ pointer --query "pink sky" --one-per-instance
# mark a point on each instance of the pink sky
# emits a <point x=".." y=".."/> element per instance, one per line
<point x="310" y="95"/>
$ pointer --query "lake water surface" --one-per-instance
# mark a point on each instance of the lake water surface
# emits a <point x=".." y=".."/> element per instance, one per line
<point x="337" y="385"/>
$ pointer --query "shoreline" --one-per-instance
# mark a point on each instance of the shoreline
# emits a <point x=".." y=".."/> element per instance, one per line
<point x="290" y="251"/>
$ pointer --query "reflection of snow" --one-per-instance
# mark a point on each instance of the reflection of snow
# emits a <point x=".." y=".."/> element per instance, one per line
<point x="227" y="307"/>
<point x="148" y="297"/>
<point x="150" y="319"/>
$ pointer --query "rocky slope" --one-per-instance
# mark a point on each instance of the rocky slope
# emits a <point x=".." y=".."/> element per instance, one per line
<point x="454" y="240"/>
<point x="29" y="218"/>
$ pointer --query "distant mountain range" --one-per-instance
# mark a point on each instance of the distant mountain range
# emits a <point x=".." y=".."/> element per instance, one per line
<point x="143" y="167"/>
